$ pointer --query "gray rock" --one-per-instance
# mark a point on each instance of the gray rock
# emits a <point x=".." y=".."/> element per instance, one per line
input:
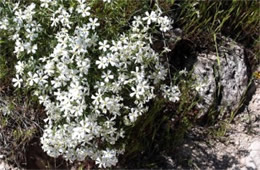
<point x="6" y="166"/>
<point x="221" y="80"/>
<point x="233" y="74"/>
<point x="206" y="84"/>
<point x="255" y="153"/>
<point x="252" y="160"/>
<point x="254" y="105"/>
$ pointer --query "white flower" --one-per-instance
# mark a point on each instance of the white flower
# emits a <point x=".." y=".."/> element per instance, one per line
<point x="17" y="81"/>
<point x="97" y="97"/>
<point x="166" y="50"/>
<point x="108" y="1"/>
<point x="78" y="133"/>
<point x="117" y="45"/>
<point x="160" y="74"/>
<point x="83" y="10"/>
<point x="139" y="90"/>
<point x="152" y="17"/>
<point x="112" y="60"/>
<point x="122" y="78"/>
<point x="61" y="16"/>
<point x="106" y="104"/>
<point x="33" y="78"/>
<point x="55" y="21"/>
<point x="200" y="87"/>
<point x="138" y="74"/>
<point x="30" y="48"/>
<point x="175" y="94"/>
<point x="107" y="159"/>
<point x="107" y="76"/>
<point x="103" y="45"/>
<point x="20" y="67"/>
<point x="19" y="46"/>
<point x="44" y="99"/>
<point x="81" y="1"/>
<point x="183" y="72"/>
<point x="84" y="65"/>
<point x="49" y="68"/>
<point x="45" y="3"/>
<point x="136" y="92"/>
<point x="133" y="115"/>
<point x="75" y="91"/>
<point x="19" y="17"/>
<point x="4" y="24"/>
<point x="171" y="92"/>
<point x="93" y="23"/>
<point x="86" y="102"/>
<point x="137" y="21"/>
<point x="42" y="79"/>
<point x="102" y="62"/>
<point x="79" y="108"/>
<point x="31" y="34"/>
<point x="165" y="23"/>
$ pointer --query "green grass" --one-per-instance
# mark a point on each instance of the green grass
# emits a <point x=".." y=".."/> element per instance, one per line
<point x="238" y="19"/>
<point x="3" y="68"/>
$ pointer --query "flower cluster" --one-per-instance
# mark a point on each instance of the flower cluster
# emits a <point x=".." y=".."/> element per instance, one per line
<point x="92" y="88"/>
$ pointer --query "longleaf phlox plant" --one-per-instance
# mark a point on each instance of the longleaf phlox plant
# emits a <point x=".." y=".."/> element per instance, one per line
<point x="92" y="88"/>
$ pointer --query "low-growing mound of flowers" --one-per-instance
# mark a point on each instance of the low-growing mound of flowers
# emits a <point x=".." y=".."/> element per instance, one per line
<point x="92" y="88"/>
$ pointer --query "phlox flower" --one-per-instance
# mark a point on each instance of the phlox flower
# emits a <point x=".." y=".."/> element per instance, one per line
<point x="105" y="104"/>
<point x="97" y="97"/>
<point x="116" y="46"/>
<point x="45" y="3"/>
<point x="87" y="85"/>
<point x="17" y="81"/>
<point x="137" y="92"/>
<point x="107" y="76"/>
<point x="103" y="45"/>
<point x="171" y="92"/>
<point x="19" y="46"/>
<point x="107" y="158"/>
<point x="83" y="9"/>
<point x="20" y="67"/>
<point x="93" y="23"/>
<point x="112" y="59"/>
<point x="102" y="63"/>
<point x="4" y="24"/>
<point x="30" y="48"/>
<point x="108" y="1"/>
<point x="32" y="78"/>
<point x="150" y="17"/>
